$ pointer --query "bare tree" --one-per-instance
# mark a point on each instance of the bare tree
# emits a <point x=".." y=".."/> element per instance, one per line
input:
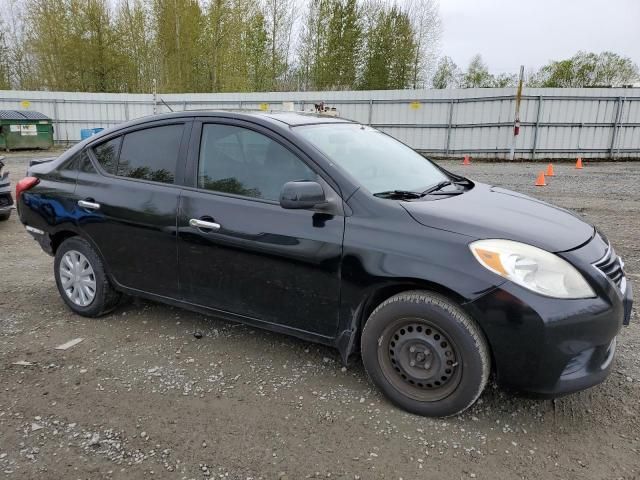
<point x="279" y="17"/>
<point x="16" y="56"/>
<point x="136" y="46"/>
<point x="425" y="19"/>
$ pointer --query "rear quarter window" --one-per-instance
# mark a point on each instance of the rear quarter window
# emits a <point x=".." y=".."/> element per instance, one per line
<point x="107" y="154"/>
<point x="84" y="163"/>
<point x="70" y="164"/>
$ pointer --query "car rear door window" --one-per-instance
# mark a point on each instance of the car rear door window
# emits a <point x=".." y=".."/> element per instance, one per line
<point x="151" y="154"/>
<point x="107" y="154"/>
<point x="241" y="161"/>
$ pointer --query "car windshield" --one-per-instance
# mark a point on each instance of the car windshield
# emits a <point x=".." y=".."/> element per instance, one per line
<point x="377" y="161"/>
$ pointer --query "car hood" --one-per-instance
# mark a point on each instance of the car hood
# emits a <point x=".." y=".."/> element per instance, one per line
<point x="493" y="212"/>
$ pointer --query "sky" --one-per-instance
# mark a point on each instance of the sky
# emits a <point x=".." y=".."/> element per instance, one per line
<point x="510" y="33"/>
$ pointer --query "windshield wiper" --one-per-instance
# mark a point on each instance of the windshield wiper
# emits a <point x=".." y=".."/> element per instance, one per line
<point x="437" y="186"/>
<point x="435" y="189"/>
<point x="398" y="194"/>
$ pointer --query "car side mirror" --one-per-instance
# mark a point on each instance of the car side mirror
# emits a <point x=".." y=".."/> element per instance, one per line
<point x="302" y="195"/>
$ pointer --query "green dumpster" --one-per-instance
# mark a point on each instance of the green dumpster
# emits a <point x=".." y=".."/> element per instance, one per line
<point x="25" y="129"/>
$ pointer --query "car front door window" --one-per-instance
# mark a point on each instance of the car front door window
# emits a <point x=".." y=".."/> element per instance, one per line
<point x="243" y="162"/>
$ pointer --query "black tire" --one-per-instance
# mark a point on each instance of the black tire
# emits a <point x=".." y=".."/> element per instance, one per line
<point x="5" y="216"/>
<point x="426" y="355"/>
<point x="106" y="298"/>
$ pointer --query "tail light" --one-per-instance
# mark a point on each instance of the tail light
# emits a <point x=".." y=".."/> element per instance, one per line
<point x="25" y="184"/>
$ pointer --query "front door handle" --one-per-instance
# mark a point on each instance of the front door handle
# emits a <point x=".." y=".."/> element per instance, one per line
<point x="196" y="222"/>
<point x="88" y="205"/>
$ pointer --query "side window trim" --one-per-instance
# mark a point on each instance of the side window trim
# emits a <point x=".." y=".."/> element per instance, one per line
<point x="192" y="164"/>
<point x="242" y="163"/>
<point x="180" y="175"/>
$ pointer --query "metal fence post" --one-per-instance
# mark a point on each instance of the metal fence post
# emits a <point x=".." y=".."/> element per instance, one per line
<point x="56" y="120"/>
<point x="449" y="127"/>
<point x="126" y="110"/>
<point x="620" y="123"/>
<point x="535" y="131"/>
<point x="370" y="111"/>
<point x="616" y="124"/>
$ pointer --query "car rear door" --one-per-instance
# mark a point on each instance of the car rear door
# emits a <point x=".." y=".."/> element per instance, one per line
<point x="259" y="261"/>
<point x="129" y="189"/>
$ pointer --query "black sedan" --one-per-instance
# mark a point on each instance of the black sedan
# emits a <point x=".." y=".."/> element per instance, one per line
<point x="334" y="232"/>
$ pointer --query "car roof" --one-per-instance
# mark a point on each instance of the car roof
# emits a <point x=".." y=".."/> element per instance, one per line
<point x="300" y="118"/>
<point x="291" y="119"/>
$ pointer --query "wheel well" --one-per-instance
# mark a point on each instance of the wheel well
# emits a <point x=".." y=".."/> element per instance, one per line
<point x="383" y="293"/>
<point x="58" y="238"/>
<point x="388" y="291"/>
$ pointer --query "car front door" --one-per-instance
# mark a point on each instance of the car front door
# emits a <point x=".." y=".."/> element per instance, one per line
<point x="127" y="190"/>
<point x="259" y="261"/>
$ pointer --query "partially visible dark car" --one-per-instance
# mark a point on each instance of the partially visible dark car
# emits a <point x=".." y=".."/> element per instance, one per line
<point x="6" y="201"/>
<point x="334" y="232"/>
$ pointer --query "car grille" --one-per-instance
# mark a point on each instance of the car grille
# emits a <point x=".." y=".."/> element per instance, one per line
<point x="611" y="266"/>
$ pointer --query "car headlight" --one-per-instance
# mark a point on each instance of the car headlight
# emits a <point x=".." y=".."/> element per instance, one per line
<point x="532" y="268"/>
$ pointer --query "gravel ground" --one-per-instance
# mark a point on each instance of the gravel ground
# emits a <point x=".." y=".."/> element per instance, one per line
<point x="141" y="397"/>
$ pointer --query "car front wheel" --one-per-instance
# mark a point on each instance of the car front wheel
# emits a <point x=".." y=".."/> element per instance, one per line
<point x="425" y="354"/>
<point x="81" y="279"/>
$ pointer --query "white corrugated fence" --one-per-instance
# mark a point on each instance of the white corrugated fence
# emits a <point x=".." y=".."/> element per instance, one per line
<point x="555" y="123"/>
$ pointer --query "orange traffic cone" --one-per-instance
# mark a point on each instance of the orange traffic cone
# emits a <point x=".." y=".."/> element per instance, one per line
<point x="579" y="163"/>
<point x="540" y="180"/>
<point x="550" y="171"/>
<point x="467" y="160"/>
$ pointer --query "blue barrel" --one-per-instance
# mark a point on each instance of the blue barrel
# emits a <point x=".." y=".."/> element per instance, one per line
<point x="87" y="132"/>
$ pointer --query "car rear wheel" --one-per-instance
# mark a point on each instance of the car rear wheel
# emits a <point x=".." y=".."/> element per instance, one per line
<point x="5" y="216"/>
<point x="81" y="279"/>
<point x="425" y="354"/>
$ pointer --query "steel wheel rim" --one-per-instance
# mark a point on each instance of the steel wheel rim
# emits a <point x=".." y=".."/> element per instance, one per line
<point x="419" y="359"/>
<point x="77" y="278"/>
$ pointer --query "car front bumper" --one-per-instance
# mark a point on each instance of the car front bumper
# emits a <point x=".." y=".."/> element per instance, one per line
<point x="553" y="347"/>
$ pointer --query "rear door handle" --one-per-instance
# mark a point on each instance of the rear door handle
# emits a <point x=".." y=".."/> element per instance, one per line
<point x="88" y="205"/>
<point x="196" y="222"/>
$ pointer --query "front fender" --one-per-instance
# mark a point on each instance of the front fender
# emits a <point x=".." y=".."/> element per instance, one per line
<point x="379" y="262"/>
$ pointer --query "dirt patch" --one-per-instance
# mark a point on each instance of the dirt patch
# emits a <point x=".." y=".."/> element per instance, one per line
<point x="141" y="397"/>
